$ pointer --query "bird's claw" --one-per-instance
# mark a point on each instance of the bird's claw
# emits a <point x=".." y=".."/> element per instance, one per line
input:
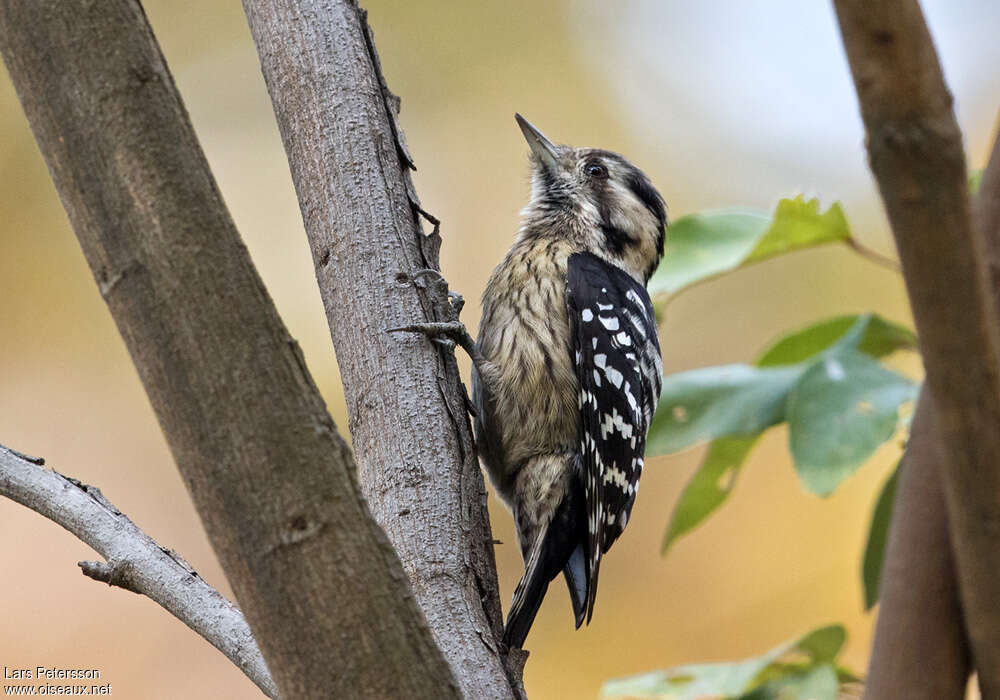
<point x="457" y="302"/>
<point x="446" y="333"/>
<point x="447" y="304"/>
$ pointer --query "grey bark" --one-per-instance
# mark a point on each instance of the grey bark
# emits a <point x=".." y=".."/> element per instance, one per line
<point x="134" y="560"/>
<point x="273" y="482"/>
<point x="915" y="151"/>
<point x="405" y="400"/>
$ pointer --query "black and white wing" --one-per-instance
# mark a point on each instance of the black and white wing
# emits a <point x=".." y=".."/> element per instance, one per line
<point x="618" y="364"/>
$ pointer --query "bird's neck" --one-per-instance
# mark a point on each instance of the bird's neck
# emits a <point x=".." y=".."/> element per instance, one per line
<point x="624" y="249"/>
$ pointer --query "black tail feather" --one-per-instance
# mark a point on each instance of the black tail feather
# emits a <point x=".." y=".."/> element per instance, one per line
<point x="558" y="548"/>
<point x="575" y="572"/>
<point x="527" y="597"/>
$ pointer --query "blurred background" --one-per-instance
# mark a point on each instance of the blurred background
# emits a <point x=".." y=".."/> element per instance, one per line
<point x="721" y="103"/>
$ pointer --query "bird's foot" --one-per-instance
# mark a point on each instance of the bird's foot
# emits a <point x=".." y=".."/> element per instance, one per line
<point x="450" y="331"/>
<point x="447" y="333"/>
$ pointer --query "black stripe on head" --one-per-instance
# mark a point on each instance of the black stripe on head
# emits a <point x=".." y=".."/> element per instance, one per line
<point x="643" y="189"/>
<point x="639" y="185"/>
<point x="615" y="238"/>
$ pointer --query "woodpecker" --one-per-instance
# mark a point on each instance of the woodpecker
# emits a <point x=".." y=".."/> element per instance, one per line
<point x="566" y="369"/>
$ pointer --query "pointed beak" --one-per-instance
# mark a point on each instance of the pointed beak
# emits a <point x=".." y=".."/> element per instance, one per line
<point x="543" y="149"/>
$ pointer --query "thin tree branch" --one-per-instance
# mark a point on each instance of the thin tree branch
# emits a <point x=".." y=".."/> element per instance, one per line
<point x="873" y="255"/>
<point x="986" y="210"/>
<point x="406" y="403"/>
<point x="134" y="561"/>
<point x="273" y="482"/>
<point x="916" y="154"/>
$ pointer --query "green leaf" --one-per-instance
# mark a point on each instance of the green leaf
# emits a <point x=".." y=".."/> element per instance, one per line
<point x="734" y="680"/>
<point x="735" y="404"/>
<point x="703" y="404"/>
<point x="814" y="683"/>
<point x="838" y="414"/>
<point x="879" y="338"/>
<point x="822" y="644"/>
<point x="878" y="533"/>
<point x="707" y="403"/>
<point x="704" y="245"/>
<point x="796" y="224"/>
<point x="710" y="486"/>
<point x="799" y="346"/>
<point x="712" y="483"/>
<point x="707" y="244"/>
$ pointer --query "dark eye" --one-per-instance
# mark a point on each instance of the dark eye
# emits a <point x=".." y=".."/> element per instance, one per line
<point x="596" y="170"/>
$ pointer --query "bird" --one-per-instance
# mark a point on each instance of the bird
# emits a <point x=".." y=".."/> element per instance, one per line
<point x="566" y="367"/>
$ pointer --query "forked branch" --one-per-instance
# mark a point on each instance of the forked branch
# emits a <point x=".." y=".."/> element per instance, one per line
<point x="134" y="561"/>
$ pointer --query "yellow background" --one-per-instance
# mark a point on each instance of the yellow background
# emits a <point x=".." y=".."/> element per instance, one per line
<point x="722" y="103"/>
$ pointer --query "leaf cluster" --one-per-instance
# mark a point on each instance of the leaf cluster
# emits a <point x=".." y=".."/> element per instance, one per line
<point x="826" y="383"/>
<point x="799" y="668"/>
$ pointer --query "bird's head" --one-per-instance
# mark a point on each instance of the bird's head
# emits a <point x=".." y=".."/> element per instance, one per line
<point x="601" y="201"/>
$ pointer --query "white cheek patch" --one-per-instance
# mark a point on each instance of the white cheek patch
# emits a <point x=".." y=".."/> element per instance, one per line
<point x="630" y="214"/>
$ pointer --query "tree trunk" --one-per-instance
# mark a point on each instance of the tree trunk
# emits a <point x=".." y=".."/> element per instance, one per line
<point x="405" y="400"/>
<point x="273" y="482"/>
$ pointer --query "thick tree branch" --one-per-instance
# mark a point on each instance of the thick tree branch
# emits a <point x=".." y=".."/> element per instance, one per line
<point x="406" y="403"/>
<point x="919" y="650"/>
<point x="915" y="149"/>
<point x="273" y="482"/>
<point x="134" y="560"/>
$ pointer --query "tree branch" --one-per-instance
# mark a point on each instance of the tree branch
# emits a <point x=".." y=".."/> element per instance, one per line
<point x="919" y="651"/>
<point x="915" y="150"/>
<point x="406" y="403"/>
<point x="986" y="210"/>
<point x="135" y="561"/>
<point x="273" y="482"/>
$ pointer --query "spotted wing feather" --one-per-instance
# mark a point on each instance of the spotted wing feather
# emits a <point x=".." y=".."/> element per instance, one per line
<point x="617" y="356"/>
